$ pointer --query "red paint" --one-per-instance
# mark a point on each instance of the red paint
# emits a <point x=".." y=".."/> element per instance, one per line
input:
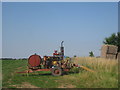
<point x="55" y="54"/>
<point x="66" y="70"/>
<point x="42" y="70"/>
<point x="34" y="60"/>
<point x="30" y="71"/>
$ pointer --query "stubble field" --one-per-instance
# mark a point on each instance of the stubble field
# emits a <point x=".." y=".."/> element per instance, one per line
<point x="105" y="75"/>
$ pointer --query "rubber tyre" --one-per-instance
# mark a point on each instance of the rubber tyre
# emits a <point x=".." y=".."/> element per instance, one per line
<point x="56" y="71"/>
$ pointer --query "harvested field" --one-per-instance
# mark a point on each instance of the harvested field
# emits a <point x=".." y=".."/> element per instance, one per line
<point x="105" y="75"/>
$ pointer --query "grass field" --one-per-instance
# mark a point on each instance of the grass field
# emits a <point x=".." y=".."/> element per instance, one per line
<point x="105" y="75"/>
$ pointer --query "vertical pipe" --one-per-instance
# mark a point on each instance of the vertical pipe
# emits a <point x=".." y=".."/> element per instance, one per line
<point x="62" y="50"/>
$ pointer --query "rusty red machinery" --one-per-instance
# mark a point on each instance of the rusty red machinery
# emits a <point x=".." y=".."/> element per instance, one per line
<point x="56" y="63"/>
<point x="53" y="63"/>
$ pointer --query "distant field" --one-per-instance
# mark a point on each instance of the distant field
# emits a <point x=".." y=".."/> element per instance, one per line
<point x="106" y="75"/>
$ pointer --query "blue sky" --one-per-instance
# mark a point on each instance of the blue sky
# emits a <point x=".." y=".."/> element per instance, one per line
<point x="39" y="27"/>
<point x="0" y="30"/>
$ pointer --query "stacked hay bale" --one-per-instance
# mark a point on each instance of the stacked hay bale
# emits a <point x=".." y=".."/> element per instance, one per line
<point x="118" y="56"/>
<point x="109" y="51"/>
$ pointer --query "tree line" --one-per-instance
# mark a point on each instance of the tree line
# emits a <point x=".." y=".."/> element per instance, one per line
<point x="13" y="59"/>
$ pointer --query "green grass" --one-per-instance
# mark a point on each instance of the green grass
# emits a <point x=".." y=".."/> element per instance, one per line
<point x="106" y="75"/>
<point x="0" y="74"/>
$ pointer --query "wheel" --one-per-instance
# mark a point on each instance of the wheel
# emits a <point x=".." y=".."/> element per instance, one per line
<point x="56" y="71"/>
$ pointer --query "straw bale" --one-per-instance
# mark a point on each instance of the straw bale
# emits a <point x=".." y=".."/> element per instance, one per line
<point x="104" y="50"/>
<point x="118" y="56"/>
<point x="112" y="49"/>
<point x="108" y="49"/>
<point x="111" y="56"/>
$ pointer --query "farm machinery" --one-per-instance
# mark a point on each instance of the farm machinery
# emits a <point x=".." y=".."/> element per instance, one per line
<point x="56" y="63"/>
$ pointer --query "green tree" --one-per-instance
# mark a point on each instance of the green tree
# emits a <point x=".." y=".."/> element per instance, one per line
<point x="118" y="41"/>
<point x="114" y="39"/>
<point x="91" y="54"/>
<point x="75" y="56"/>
